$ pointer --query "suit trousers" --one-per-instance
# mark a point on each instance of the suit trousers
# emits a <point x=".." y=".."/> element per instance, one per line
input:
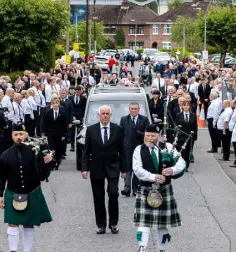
<point x="128" y="180"/>
<point x="8" y="142"/>
<point x="98" y="188"/>
<point x="29" y="127"/>
<point x="185" y="152"/>
<point x="226" y="139"/>
<point x="234" y="144"/>
<point x="55" y="144"/>
<point x="72" y="136"/>
<point x="213" y="134"/>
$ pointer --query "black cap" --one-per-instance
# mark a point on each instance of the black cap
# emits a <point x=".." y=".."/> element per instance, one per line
<point x="154" y="128"/>
<point x="18" y="127"/>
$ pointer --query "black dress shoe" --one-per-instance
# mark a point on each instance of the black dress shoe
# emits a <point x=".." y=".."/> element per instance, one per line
<point x="223" y="159"/>
<point x="125" y="193"/>
<point x="63" y="157"/>
<point x="114" y="229"/>
<point x="134" y="194"/>
<point x="211" y="151"/>
<point x="72" y="149"/>
<point x="56" y="166"/>
<point x="101" y="230"/>
<point x="232" y="165"/>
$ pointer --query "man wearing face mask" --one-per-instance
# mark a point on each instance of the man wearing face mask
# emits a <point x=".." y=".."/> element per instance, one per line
<point x="148" y="167"/>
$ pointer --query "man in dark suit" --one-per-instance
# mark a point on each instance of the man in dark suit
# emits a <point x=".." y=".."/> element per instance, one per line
<point x="104" y="157"/>
<point x="114" y="80"/>
<point x="204" y="91"/>
<point x="178" y="109"/>
<point x="67" y="105"/>
<point x="79" y="104"/>
<point x="164" y="89"/>
<point x="55" y="128"/>
<point x="132" y="124"/>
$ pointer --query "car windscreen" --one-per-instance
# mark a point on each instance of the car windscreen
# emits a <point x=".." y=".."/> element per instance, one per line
<point x="149" y="52"/>
<point x="119" y="109"/>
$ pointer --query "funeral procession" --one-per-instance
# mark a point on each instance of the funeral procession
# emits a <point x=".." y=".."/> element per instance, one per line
<point x="117" y="126"/>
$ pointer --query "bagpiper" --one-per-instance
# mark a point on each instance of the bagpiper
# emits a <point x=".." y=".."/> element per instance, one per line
<point x="23" y="202"/>
<point x="155" y="205"/>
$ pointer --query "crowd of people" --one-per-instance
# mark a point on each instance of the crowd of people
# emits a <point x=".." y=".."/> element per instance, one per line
<point x="46" y="104"/>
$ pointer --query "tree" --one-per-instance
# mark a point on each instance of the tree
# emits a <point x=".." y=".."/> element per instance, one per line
<point x="100" y="37"/>
<point x="220" y="29"/>
<point x="28" y="32"/>
<point x="120" y="38"/>
<point x="174" y="4"/>
<point x="186" y="27"/>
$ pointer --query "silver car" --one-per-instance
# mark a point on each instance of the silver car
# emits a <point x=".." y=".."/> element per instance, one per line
<point x="161" y="57"/>
<point x="102" y="62"/>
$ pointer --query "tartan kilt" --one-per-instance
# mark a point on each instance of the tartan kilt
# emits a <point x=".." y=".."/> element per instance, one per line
<point x="35" y="213"/>
<point x="165" y="216"/>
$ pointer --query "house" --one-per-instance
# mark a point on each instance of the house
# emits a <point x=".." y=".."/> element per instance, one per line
<point x="161" y="25"/>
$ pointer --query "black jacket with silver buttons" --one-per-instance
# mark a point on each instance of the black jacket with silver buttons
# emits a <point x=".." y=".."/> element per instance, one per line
<point x="21" y="177"/>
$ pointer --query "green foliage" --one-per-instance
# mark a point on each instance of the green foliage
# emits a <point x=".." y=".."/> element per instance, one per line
<point x="220" y="27"/>
<point x="81" y="28"/>
<point x="59" y="51"/>
<point x="181" y="56"/>
<point x="28" y="31"/>
<point x="186" y="26"/>
<point x="12" y="75"/>
<point x="174" y="4"/>
<point x="120" y="38"/>
<point x="139" y="51"/>
<point x="164" y="50"/>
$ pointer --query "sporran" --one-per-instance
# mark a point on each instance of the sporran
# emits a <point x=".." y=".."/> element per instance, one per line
<point x="154" y="198"/>
<point x="20" y="202"/>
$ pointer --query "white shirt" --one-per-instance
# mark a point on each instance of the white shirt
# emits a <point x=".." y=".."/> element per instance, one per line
<point x="145" y="175"/>
<point x="6" y="103"/>
<point x="55" y="112"/>
<point x="27" y="109"/>
<point x="232" y="121"/>
<point x="214" y="110"/>
<point x="103" y="130"/>
<point x="186" y="113"/>
<point x="48" y="93"/>
<point x="42" y="99"/>
<point x="19" y="113"/>
<point x="91" y="80"/>
<point x="156" y="82"/>
<point x="37" y="97"/>
<point x="224" y="117"/>
<point x="76" y="98"/>
<point x="193" y="88"/>
<point x="233" y="139"/>
<point x="135" y="119"/>
<point x="32" y="103"/>
<point x="66" y="84"/>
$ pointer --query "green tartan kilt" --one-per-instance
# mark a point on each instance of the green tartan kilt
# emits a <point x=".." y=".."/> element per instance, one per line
<point x="36" y="212"/>
<point x="165" y="216"/>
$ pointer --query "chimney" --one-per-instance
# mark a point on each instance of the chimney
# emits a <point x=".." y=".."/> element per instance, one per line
<point x="125" y="5"/>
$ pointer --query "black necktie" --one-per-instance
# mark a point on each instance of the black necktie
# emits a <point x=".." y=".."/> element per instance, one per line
<point x="159" y="83"/>
<point x="77" y="100"/>
<point x="133" y="120"/>
<point x="55" y="115"/>
<point x="186" y="117"/>
<point x="105" y="135"/>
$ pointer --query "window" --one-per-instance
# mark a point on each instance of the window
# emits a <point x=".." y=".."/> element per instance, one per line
<point x="139" y="44"/>
<point x="155" y="29"/>
<point x="166" y="45"/>
<point x="110" y="29"/>
<point x="167" y="29"/>
<point x="136" y="29"/>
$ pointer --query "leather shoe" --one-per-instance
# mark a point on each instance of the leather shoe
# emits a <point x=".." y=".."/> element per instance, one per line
<point x="232" y="165"/>
<point x="134" y="194"/>
<point x="101" y="230"/>
<point x="63" y="157"/>
<point x="114" y="229"/>
<point x="223" y="159"/>
<point x="72" y="149"/>
<point x="125" y="193"/>
<point x="211" y="151"/>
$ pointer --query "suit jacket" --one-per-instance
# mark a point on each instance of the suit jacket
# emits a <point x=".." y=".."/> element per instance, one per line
<point x="78" y="110"/>
<point x="163" y="92"/>
<point x="114" y="81"/>
<point x="204" y="94"/>
<point x="100" y="159"/>
<point x="58" y="126"/>
<point x="132" y="135"/>
<point x="69" y="110"/>
<point x="187" y="127"/>
<point x="157" y="108"/>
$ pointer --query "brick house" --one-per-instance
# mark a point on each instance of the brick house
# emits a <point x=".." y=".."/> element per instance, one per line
<point x="151" y="30"/>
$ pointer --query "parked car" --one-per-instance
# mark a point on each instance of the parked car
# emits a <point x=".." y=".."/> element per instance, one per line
<point x="229" y="63"/>
<point x="102" y="62"/>
<point x="124" y="52"/>
<point x="150" y="52"/>
<point x="162" y="57"/>
<point x="118" y="98"/>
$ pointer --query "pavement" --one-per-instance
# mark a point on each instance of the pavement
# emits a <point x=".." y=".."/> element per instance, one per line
<point x="205" y="196"/>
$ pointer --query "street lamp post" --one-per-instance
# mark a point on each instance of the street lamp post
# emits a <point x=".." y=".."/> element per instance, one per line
<point x="68" y="31"/>
<point x="184" y="40"/>
<point x="87" y="31"/>
<point x="94" y="27"/>
<point x="135" y="35"/>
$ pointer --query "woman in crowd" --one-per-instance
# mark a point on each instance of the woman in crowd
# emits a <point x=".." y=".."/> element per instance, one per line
<point x="156" y="106"/>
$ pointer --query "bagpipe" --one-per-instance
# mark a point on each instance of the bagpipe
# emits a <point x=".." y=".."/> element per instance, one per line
<point x="41" y="149"/>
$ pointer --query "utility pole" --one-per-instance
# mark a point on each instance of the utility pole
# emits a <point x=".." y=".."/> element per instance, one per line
<point x="87" y="31"/>
<point x="68" y="30"/>
<point x="183" y="40"/>
<point x="94" y="27"/>
<point x="205" y="28"/>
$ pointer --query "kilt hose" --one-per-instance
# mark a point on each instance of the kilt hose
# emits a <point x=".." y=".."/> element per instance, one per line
<point x="165" y="216"/>
<point x="35" y="213"/>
